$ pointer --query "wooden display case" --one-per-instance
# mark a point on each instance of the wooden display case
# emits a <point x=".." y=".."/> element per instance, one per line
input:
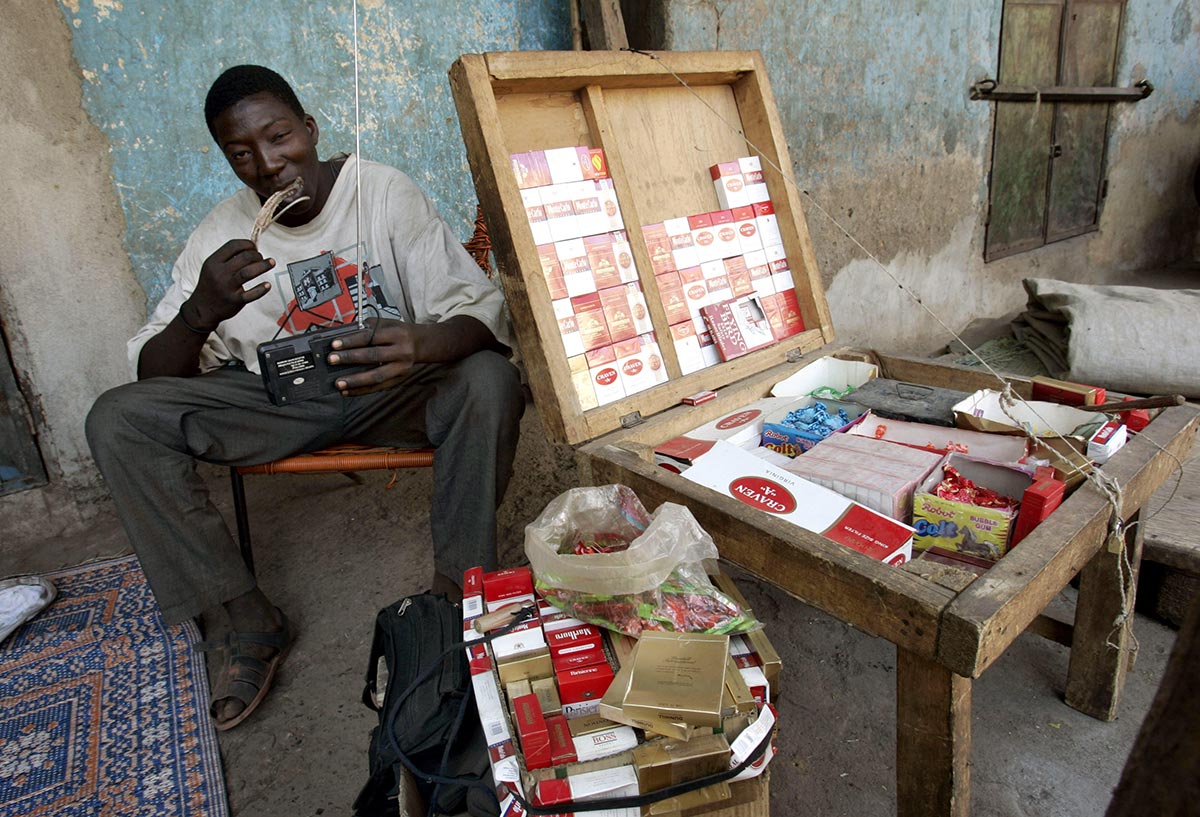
<point x="660" y="137"/>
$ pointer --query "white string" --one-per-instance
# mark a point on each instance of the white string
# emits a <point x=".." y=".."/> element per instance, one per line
<point x="1108" y="486"/>
<point x="358" y="246"/>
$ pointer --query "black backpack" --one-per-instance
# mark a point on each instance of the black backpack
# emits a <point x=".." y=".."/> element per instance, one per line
<point x="427" y="719"/>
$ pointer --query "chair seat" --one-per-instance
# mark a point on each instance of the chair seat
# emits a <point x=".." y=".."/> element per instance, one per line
<point x="343" y="458"/>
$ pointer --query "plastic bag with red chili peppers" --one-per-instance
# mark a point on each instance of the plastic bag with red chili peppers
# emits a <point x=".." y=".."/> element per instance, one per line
<point x="597" y="555"/>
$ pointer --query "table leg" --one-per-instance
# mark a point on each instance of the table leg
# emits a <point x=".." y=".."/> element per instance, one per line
<point x="933" y="739"/>
<point x="1100" y="654"/>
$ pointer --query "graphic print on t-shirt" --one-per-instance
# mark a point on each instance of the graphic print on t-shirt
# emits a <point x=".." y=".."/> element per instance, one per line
<point x="325" y="293"/>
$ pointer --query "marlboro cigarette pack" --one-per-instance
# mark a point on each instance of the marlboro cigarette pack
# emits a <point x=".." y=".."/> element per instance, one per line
<point x="729" y="470"/>
<point x="1107" y="441"/>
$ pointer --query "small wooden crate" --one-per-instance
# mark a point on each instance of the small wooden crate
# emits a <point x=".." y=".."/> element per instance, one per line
<point x="660" y="137"/>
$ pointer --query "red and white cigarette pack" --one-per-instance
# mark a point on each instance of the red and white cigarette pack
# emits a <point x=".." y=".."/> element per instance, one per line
<point x="560" y="212"/>
<point x="670" y="289"/>
<point x="683" y="245"/>
<point x="535" y="211"/>
<point x="590" y="218"/>
<point x="626" y="267"/>
<point x="602" y="260"/>
<point x="687" y="347"/>
<point x="531" y="169"/>
<point x="606" y="380"/>
<point x="609" y="205"/>
<point x="595" y="785"/>
<point x="581" y="379"/>
<point x="576" y="269"/>
<point x="568" y="326"/>
<point x="532" y="731"/>
<point x="738" y="325"/>
<point x="746" y="225"/>
<point x="752" y="175"/>
<point x="637" y="305"/>
<point x="734" y="472"/>
<point x="1107" y="441"/>
<point x="512" y="584"/>
<point x="658" y="246"/>
<point x="704" y="238"/>
<point x="552" y="270"/>
<point x="730" y="184"/>
<point x="583" y="685"/>
<point x="593" y="327"/>
<point x="725" y="229"/>
<point x="618" y="314"/>
<point x="695" y="288"/>
<point x="768" y="224"/>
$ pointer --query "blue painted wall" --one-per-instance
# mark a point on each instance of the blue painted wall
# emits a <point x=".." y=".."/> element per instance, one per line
<point x="147" y="66"/>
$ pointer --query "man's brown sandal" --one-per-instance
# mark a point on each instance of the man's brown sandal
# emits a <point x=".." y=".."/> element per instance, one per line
<point x="244" y="677"/>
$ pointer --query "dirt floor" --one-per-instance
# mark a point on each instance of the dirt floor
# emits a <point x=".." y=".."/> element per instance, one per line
<point x="331" y="553"/>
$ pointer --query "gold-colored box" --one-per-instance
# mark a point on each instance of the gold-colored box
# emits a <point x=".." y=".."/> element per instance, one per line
<point x="678" y="677"/>
<point x="664" y="762"/>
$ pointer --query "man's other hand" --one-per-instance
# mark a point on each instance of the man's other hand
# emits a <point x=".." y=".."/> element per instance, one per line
<point x="390" y="346"/>
<point x="220" y="293"/>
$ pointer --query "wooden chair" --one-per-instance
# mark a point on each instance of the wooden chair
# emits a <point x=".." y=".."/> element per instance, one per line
<point x="345" y="459"/>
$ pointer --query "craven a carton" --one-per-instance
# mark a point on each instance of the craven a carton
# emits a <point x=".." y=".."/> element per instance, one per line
<point x="729" y="470"/>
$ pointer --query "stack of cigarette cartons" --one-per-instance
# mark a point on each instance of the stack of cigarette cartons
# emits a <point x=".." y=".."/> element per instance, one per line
<point x="723" y="276"/>
<point x="590" y="274"/>
<point x="548" y="739"/>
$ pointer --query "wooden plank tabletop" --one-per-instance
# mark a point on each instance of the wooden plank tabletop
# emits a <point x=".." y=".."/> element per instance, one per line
<point x="1173" y="527"/>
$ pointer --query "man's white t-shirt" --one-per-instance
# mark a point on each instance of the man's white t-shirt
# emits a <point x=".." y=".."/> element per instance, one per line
<point x="417" y="271"/>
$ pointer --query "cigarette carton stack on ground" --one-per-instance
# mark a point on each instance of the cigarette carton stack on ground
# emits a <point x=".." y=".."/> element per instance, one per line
<point x="946" y="473"/>
<point x="590" y="273"/>
<point x="575" y="712"/>
<point x="723" y="276"/>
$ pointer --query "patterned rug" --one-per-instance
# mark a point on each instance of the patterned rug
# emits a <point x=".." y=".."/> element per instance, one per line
<point x="105" y="707"/>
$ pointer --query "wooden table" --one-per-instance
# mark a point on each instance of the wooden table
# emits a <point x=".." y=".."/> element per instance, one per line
<point x="947" y="628"/>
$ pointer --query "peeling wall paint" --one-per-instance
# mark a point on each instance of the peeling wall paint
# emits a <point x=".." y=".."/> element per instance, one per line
<point x="147" y="66"/>
<point x="874" y="101"/>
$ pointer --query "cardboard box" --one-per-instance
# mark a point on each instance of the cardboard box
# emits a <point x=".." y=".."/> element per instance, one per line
<point x="998" y="448"/>
<point x="679" y="677"/>
<point x="742" y="428"/>
<point x="957" y="526"/>
<point x="827" y="377"/>
<point x="879" y="475"/>
<point x="731" y="471"/>
<point x="791" y="441"/>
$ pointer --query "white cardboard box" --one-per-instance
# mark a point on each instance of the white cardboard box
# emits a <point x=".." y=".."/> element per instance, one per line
<point x="729" y="470"/>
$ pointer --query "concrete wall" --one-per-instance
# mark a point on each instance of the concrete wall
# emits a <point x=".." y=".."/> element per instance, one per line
<point x="874" y="101"/>
<point x="110" y="166"/>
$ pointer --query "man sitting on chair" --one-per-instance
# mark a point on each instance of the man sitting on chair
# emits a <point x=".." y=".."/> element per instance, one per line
<point x="436" y="348"/>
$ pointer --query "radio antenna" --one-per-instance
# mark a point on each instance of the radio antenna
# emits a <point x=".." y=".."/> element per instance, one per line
<point x="358" y="247"/>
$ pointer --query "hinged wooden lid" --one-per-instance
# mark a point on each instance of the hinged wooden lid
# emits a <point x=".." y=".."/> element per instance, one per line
<point x="662" y="120"/>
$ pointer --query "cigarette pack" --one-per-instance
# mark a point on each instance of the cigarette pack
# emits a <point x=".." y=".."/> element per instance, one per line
<point x="746" y="225"/>
<point x="535" y="211"/>
<point x="562" y="747"/>
<point x="603" y="744"/>
<point x="1107" y="441"/>
<point x="704" y="238"/>
<point x="568" y="327"/>
<point x="626" y="268"/>
<point x="1038" y="502"/>
<point x="593" y="328"/>
<point x="739" y="277"/>
<point x="1062" y="391"/>
<point x="670" y="290"/>
<point x="592" y="162"/>
<point x="618" y="314"/>
<point x="730" y="184"/>
<point x="683" y="245"/>
<point x="576" y="269"/>
<point x="530" y="169"/>
<point x="545" y="690"/>
<point x="637" y="305"/>
<point x="606" y="380"/>
<point x="725" y="228"/>
<point x="602" y="260"/>
<point x="752" y="175"/>
<point x="581" y="378"/>
<point x="504" y="585"/>
<point x="564" y="165"/>
<point x="590" y="217"/>
<point x="596" y="785"/>
<point x="695" y="288"/>
<point x="584" y="684"/>
<point x="658" y="247"/>
<point x="638" y="364"/>
<point x="663" y="762"/>
<point x="678" y="677"/>
<point x="532" y="732"/>
<point x="552" y="270"/>
<point x="716" y="281"/>
<point x="768" y="224"/>
<point x="699" y="397"/>
<point x="738" y="325"/>
<point x="560" y="212"/>
<point x="687" y="347"/>
<point x="609" y="204"/>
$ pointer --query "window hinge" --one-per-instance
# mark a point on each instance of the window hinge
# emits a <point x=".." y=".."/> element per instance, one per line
<point x="632" y="419"/>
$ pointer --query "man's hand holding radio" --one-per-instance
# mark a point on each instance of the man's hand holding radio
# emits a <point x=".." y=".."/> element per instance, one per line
<point x="395" y="347"/>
